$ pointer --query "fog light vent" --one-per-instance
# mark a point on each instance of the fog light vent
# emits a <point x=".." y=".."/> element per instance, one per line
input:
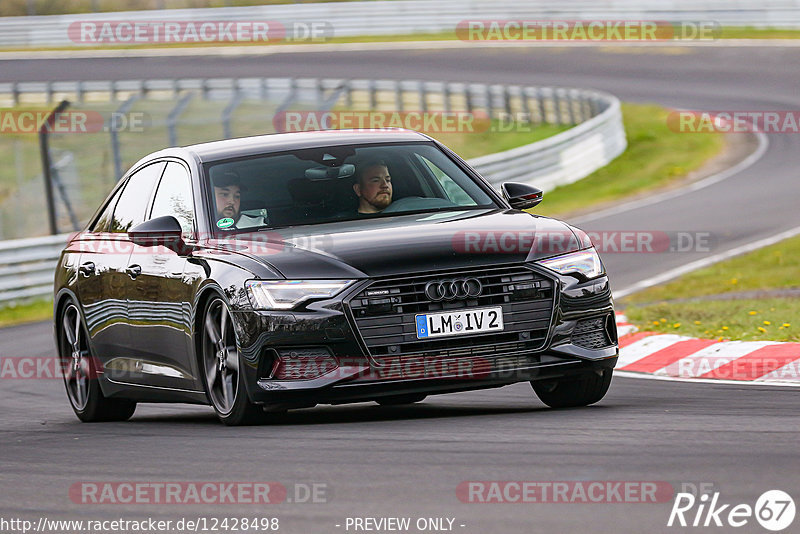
<point x="303" y="363"/>
<point x="591" y="334"/>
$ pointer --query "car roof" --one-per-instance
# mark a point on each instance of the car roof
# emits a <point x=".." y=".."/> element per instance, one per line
<point x="250" y="146"/>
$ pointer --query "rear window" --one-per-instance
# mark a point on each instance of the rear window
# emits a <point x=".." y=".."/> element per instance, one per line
<point x="338" y="183"/>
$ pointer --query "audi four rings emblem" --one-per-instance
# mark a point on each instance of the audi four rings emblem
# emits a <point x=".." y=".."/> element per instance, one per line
<point x="453" y="289"/>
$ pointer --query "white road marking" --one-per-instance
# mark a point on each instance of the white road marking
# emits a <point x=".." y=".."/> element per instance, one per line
<point x="630" y="374"/>
<point x="763" y="144"/>
<point x="705" y="262"/>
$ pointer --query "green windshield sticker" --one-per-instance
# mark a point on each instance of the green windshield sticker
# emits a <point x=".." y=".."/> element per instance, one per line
<point x="226" y="222"/>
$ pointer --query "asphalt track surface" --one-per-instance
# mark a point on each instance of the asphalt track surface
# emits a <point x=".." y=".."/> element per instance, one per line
<point x="408" y="461"/>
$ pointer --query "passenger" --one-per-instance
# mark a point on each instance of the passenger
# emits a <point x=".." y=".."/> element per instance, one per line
<point x="373" y="187"/>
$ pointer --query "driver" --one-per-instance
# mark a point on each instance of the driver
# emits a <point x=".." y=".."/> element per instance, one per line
<point x="373" y="187"/>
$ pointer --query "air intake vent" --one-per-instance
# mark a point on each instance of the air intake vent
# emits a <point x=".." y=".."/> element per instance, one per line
<point x="592" y="334"/>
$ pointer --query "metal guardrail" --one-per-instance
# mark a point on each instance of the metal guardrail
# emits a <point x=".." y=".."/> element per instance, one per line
<point x="418" y="16"/>
<point x="566" y="157"/>
<point x="26" y="265"/>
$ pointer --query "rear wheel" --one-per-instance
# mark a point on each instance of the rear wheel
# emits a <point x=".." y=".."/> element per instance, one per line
<point x="223" y="379"/>
<point x="80" y="371"/>
<point x="401" y="399"/>
<point x="574" y="391"/>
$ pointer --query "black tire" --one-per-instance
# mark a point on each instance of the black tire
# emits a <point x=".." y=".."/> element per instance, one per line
<point x="81" y="372"/>
<point x="574" y="391"/>
<point x="220" y="362"/>
<point x="401" y="399"/>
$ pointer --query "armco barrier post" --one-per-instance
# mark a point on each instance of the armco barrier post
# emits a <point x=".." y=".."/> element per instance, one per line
<point x="44" y="149"/>
<point x="398" y="96"/>
<point x="115" y="150"/>
<point x="172" y="118"/>
<point x="227" y="113"/>
<point x="373" y="95"/>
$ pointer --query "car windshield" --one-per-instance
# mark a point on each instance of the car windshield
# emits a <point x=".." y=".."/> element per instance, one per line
<point x="322" y="185"/>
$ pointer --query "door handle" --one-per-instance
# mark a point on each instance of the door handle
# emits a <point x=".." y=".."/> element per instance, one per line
<point x="86" y="268"/>
<point x="134" y="271"/>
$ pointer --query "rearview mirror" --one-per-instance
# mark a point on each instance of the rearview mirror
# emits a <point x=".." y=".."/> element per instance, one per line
<point x="330" y="173"/>
<point x="521" y="196"/>
<point x="165" y="231"/>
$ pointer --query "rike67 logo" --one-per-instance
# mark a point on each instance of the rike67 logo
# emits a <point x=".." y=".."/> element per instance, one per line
<point x="774" y="510"/>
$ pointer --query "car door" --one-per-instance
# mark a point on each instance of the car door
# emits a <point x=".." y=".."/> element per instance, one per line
<point x="161" y="292"/>
<point x="103" y="279"/>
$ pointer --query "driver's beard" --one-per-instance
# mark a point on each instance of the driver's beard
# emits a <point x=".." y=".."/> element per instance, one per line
<point x="380" y="202"/>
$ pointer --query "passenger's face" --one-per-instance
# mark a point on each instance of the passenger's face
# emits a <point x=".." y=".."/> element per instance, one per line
<point x="374" y="189"/>
<point x="228" y="200"/>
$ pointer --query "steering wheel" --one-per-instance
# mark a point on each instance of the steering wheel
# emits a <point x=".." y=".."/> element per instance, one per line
<point x="417" y="203"/>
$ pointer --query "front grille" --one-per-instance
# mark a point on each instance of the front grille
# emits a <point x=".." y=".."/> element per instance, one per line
<point x="385" y="313"/>
<point x="591" y="334"/>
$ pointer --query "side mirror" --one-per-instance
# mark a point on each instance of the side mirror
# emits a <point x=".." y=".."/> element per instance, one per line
<point x="521" y="196"/>
<point x="165" y="231"/>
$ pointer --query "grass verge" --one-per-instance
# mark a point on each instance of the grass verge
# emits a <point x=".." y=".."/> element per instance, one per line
<point x="725" y="299"/>
<point x="749" y="32"/>
<point x="727" y="32"/>
<point x="37" y="310"/>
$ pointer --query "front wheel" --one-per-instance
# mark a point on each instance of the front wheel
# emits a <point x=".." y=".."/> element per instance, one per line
<point x="81" y="371"/>
<point x="223" y="380"/>
<point x="574" y="391"/>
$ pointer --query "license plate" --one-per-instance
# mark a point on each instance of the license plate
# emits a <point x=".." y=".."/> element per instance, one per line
<point x="459" y="322"/>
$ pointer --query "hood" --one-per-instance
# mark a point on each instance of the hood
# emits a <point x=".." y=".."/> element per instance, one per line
<point x="409" y="243"/>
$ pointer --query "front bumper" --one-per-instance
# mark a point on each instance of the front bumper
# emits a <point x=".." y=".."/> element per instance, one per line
<point x="363" y="383"/>
<point x="327" y="326"/>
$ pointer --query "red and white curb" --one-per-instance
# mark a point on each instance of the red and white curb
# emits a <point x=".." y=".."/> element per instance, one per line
<point x="674" y="357"/>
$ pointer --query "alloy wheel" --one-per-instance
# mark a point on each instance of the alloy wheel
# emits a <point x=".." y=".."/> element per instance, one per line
<point x="221" y="357"/>
<point x="75" y="358"/>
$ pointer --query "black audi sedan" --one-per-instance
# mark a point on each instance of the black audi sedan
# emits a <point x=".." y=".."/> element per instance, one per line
<point x="278" y="272"/>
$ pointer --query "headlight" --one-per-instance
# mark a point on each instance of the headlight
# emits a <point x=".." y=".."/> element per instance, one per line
<point x="286" y="294"/>
<point x="584" y="262"/>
